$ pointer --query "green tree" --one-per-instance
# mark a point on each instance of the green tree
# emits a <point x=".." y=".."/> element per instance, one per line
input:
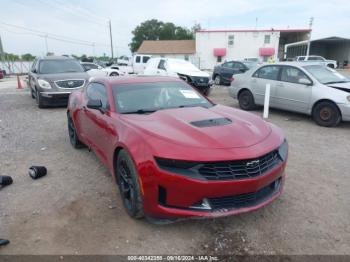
<point x="27" y="57"/>
<point x="11" y="57"/>
<point x="158" y="30"/>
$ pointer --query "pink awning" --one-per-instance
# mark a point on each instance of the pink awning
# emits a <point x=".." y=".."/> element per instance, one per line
<point x="219" y="51"/>
<point x="266" y="51"/>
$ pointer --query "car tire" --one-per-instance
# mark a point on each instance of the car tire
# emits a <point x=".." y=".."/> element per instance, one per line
<point x="114" y="74"/>
<point x="207" y="91"/>
<point x="32" y="93"/>
<point x="218" y="80"/>
<point x="72" y="133"/>
<point x="38" y="99"/>
<point x="326" y="114"/>
<point x="246" y="100"/>
<point x="129" y="187"/>
<point x="330" y="66"/>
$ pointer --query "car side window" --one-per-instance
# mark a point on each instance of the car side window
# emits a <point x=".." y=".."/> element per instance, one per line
<point x="292" y="75"/>
<point x="161" y="64"/>
<point x="138" y="59"/>
<point x="267" y="72"/>
<point x="239" y="66"/>
<point x="228" y="64"/>
<point x="145" y="59"/>
<point x="98" y="91"/>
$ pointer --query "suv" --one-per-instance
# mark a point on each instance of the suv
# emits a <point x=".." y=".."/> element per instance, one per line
<point x="315" y="58"/>
<point x="52" y="79"/>
<point x="223" y="73"/>
<point x="179" y="68"/>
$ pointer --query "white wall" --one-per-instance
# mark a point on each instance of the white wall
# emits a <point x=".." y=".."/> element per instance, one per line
<point x="246" y="44"/>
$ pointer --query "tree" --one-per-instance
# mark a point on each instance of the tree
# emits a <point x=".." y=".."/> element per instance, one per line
<point x="27" y="57"/>
<point x="158" y="30"/>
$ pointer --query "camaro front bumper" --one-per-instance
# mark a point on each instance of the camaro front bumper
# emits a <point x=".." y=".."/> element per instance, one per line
<point x="174" y="196"/>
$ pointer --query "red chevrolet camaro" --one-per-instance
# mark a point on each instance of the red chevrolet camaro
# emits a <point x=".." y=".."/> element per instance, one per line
<point x="174" y="153"/>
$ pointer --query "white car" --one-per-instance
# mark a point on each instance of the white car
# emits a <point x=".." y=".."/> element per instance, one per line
<point x="316" y="58"/>
<point x="308" y="88"/>
<point x="95" y="70"/>
<point x="179" y="68"/>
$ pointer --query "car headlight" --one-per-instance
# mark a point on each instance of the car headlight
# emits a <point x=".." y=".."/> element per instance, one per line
<point x="44" y="84"/>
<point x="180" y="167"/>
<point x="283" y="150"/>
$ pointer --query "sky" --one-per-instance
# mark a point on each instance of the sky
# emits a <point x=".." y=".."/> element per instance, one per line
<point x="83" y="23"/>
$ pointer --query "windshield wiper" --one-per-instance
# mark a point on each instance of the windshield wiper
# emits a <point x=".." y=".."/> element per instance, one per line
<point x="336" y="82"/>
<point x="141" y="111"/>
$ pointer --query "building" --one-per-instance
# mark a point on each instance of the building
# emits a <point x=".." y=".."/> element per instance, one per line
<point x="334" y="48"/>
<point x="182" y="49"/>
<point x="216" y="46"/>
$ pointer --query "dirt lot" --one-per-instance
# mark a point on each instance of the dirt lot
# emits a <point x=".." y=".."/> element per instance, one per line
<point x="75" y="209"/>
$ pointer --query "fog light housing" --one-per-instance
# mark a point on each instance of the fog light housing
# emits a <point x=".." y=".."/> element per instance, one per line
<point x="202" y="205"/>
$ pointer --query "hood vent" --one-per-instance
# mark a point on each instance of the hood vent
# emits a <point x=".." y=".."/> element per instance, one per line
<point x="212" y="122"/>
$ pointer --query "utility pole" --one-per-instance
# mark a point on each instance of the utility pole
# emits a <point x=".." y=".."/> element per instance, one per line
<point x="110" y="35"/>
<point x="309" y="40"/>
<point x="93" y="49"/>
<point x="47" y="48"/>
<point x="1" y="52"/>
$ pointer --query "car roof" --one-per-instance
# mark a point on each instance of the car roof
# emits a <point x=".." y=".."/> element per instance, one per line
<point x="56" y="58"/>
<point x="135" y="79"/>
<point x="293" y="63"/>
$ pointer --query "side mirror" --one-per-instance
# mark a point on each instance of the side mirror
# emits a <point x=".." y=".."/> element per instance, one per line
<point x="94" y="104"/>
<point x="305" y="81"/>
<point x="34" y="71"/>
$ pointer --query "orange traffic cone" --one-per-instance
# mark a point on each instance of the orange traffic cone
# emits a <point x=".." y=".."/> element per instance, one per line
<point x="19" y="84"/>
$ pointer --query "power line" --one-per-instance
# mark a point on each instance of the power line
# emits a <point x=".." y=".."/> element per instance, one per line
<point x="54" y="36"/>
<point x="77" y="14"/>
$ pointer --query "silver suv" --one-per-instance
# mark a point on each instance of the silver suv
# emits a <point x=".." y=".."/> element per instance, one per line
<point x="52" y="79"/>
<point x="307" y="88"/>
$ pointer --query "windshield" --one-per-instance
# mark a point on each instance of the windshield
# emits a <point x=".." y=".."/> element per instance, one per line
<point x="59" y="66"/>
<point x="181" y="65"/>
<point x="150" y="97"/>
<point x="325" y="75"/>
<point x="250" y="64"/>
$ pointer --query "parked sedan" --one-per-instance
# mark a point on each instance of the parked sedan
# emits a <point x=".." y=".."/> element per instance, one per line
<point x="223" y="73"/>
<point x="52" y="79"/>
<point x="173" y="153"/>
<point x="311" y="89"/>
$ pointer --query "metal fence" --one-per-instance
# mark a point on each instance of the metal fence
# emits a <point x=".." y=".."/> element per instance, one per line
<point x="15" y="67"/>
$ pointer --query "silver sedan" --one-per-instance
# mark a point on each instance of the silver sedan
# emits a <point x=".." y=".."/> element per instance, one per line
<point x="311" y="88"/>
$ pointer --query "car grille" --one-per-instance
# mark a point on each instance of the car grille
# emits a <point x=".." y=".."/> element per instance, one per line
<point x="246" y="200"/>
<point x="200" y="80"/>
<point x="241" y="169"/>
<point x="70" y="83"/>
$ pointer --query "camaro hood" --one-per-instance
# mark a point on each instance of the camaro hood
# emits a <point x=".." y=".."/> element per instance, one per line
<point x="180" y="126"/>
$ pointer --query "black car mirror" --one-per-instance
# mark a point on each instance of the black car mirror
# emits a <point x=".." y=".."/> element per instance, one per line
<point x="94" y="104"/>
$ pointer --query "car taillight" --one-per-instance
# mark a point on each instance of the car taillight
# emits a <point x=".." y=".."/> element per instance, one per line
<point x="232" y="78"/>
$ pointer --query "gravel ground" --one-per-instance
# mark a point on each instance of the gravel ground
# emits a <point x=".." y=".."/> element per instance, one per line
<point x="75" y="209"/>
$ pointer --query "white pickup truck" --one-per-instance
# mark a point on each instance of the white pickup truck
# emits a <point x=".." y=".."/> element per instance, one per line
<point x="315" y="58"/>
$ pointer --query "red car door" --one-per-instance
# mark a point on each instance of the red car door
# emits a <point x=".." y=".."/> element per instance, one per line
<point x="97" y="124"/>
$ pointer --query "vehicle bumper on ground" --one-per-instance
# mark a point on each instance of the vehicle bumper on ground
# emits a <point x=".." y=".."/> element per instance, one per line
<point x="345" y="111"/>
<point x="174" y="196"/>
<point x="55" y="98"/>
